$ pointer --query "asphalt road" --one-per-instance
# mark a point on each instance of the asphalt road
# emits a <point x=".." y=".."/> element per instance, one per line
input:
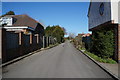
<point x="62" y="61"/>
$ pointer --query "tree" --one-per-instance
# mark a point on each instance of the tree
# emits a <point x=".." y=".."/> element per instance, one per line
<point x="9" y="13"/>
<point x="48" y="31"/>
<point x="71" y="35"/>
<point x="64" y="30"/>
<point x="55" y="31"/>
<point x="78" y="41"/>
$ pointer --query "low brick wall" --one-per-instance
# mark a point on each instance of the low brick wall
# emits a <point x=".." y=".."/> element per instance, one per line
<point x="118" y="43"/>
<point x="13" y="45"/>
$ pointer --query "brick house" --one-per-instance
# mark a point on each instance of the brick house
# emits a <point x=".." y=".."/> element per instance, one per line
<point x="13" y="39"/>
<point x="22" y="23"/>
<point x="105" y="14"/>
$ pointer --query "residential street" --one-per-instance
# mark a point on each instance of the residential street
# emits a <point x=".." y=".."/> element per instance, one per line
<point x="63" y="61"/>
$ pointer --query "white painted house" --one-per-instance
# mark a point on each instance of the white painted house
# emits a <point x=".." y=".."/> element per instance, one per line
<point x="102" y="12"/>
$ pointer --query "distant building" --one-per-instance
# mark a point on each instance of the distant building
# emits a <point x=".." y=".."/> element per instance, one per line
<point x="105" y="14"/>
<point x="86" y="38"/>
<point x="22" y="23"/>
<point x="81" y="34"/>
<point x="86" y="35"/>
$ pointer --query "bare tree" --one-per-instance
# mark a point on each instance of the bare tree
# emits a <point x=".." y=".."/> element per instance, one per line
<point x="71" y="35"/>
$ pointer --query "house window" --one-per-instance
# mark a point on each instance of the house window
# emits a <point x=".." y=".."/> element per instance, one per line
<point x="101" y="9"/>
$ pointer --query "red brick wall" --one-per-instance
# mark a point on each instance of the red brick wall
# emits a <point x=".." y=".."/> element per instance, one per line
<point x="119" y="43"/>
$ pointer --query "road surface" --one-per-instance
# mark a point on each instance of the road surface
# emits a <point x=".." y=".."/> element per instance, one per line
<point x="62" y="61"/>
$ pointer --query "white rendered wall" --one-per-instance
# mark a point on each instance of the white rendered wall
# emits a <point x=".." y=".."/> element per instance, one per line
<point x="114" y="11"/>
<point x="7" y="20"/>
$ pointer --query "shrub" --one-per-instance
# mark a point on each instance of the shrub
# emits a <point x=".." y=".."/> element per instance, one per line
<point x="99" y="59"/>
<point x="103" y="42"/>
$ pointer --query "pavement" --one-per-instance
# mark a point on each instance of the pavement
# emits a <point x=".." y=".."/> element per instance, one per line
<point x="113" y="68"/>
<point x="62" y="61"/>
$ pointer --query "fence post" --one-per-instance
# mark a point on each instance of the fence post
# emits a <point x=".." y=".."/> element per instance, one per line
<point x="43" y="42"/>
<point x="21" y="43"/>
<point x="49" y="40"/>
<point x="31" y="38"/>
<point x="37" y="38"/>
<point x="20" y="38"/>
<point x="31" y="43"/>
<point x="3" y="45"/>
<point x="46" y="41"/>
<point x="37" y="45"/>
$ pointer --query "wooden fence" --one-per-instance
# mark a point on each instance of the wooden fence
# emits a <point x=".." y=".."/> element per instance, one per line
<point x="13" y="45"/>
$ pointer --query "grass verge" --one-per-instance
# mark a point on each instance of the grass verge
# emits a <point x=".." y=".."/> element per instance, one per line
<point x="99" y="59"/>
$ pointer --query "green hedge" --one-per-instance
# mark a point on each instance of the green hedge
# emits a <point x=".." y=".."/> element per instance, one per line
<point x="103" y="42"/>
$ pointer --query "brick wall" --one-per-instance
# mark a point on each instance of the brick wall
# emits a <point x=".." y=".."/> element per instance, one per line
<point x="119" y="43"/>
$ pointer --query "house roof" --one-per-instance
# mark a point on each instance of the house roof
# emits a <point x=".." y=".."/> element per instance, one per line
<point x="24" y="20"/>
<point x="81" y="34"/>
<point x="86" y="35"/>
<point x="89" y="9"/>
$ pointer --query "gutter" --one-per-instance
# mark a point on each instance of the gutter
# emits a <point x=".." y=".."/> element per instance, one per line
<point x="19" y="27"/>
